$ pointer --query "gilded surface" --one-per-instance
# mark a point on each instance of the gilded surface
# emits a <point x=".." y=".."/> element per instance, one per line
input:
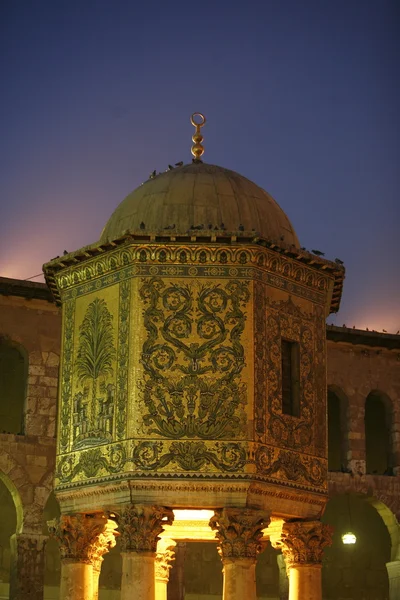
<point x="193" y="358"/>
<point x="192" y="261"/>
<point x="93" y="416"/>
<point x="173" y="368"/>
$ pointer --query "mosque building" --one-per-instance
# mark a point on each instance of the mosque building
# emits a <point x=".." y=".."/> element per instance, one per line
<point x="178" y="421"/>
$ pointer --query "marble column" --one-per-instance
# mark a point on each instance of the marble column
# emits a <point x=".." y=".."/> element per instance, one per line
<point x="27" y="572"/>
<point x="283" y="578"/>
<point x="302" y="544"/>
<point x="393" y="569"/>
<point x="164" y="556"/>
<point x="140" y="526"/>
<point x="239" y="532"/>
<point x="79" y="537"/>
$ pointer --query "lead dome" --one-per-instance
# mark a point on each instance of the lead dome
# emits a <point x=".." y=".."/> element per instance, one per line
<point x="200" y="196"/>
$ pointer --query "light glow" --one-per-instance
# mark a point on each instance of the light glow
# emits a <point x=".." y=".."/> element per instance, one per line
<point x="349" y="538"/>
<point x="193" y="515"/>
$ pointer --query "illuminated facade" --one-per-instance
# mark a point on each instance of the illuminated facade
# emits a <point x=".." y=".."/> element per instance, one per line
<point x="193" y="376"/>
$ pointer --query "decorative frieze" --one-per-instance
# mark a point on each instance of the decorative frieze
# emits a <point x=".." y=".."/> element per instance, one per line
<point x="239" y="532"/>
<point x="141" y="525"/>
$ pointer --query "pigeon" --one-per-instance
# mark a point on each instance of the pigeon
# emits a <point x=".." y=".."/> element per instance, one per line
<point x="65" y="252"/>
<point x="397" y="332"/>
<point x="366" y="329"/>
<point x="170" y="167"/>
<point x="170" y="226"/>
<point x="241" y="227"/>
<point x="338" y="261"/>
<point x="179" y="164"/>
<point x="344" y="325"/>
<point x="318" y="252"/>
<point x="222" y="226"/>
<point x="153" y="174"/>
<point x="384" y="330"/>
<point x="142" y="225"/>
<point x="303" y="249"/>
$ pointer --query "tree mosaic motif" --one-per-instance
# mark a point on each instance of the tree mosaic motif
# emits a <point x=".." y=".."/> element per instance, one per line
<point x="193" y="358"/>
<point x="94" y="360"/>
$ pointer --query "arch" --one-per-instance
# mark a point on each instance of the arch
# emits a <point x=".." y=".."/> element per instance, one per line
<point x="378" y="433"/>
<point x="9" y="524"/>
<point x="13" y="385"/>
<point x="338" y="430"/>
<point x="357" y="571"/>
<point x="386" y="505"/>
<point x="16" y="499"/>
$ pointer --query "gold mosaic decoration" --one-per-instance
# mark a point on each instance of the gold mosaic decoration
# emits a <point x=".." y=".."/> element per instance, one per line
<point x="193" y="358"/>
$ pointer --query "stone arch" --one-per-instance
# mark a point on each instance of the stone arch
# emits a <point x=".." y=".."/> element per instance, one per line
<point x="14" y="364"/>
<point x="11" y="487"/>
<point x="11" y="523"/>
<point x="359" y="570"/>
<point x="386" y="503"/>
<point x="338" y="428"/>
<point x="379" y="434"/>
<point x="390" y="521"/>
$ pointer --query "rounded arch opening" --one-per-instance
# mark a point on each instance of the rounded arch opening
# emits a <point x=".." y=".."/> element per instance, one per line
<point x="338" y="405"/>
<point x="10" y="523"/>
<point x="378" y="434"/>
<point x="13" y="383"/>
<point x="356" y="570"/>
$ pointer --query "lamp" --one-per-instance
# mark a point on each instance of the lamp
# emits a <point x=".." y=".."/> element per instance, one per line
<point x="349" y="537"/>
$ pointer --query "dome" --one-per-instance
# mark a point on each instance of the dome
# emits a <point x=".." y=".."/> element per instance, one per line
<point x="200" y="196"/>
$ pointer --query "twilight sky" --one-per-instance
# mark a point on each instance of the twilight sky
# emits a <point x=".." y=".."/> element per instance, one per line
<point x="301" y="97"/>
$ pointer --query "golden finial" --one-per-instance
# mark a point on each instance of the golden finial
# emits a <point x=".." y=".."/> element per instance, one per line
<point x="197" y="138"/>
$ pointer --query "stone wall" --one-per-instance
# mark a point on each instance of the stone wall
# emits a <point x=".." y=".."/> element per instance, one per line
<point x="32" y="325"/>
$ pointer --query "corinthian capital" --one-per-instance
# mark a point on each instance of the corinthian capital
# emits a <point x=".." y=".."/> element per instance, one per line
<point x="302" y="542"/>
<point x="140" y="526"/>
<point x="164" y="557"/>
<point x="106" y="540"/>
<point x="239" y="531"/>
<point x="78" y="535"/>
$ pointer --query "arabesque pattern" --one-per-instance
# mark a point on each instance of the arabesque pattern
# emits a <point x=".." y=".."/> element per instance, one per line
<point x="193" y="358"/>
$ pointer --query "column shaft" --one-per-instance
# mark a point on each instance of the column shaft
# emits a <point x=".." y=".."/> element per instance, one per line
<point x="76" y="580"/>
<point x="305" y="582"/>
<point x="138" y="579"/>
<point x="27" y="573"/>
<point x="239" y="579"/>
